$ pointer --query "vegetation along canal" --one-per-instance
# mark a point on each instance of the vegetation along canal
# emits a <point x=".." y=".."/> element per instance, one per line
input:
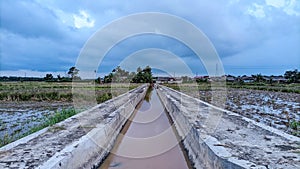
<point x="148" y="140"/>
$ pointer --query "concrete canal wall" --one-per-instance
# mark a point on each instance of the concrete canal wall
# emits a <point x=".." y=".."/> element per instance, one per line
<point x="81" y="141"/>
<point x="235" y="142"/>
<point x="85" y="139"/>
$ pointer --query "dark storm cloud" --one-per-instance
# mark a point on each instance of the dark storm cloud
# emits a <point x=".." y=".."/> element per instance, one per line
<point x="47" y="35"/>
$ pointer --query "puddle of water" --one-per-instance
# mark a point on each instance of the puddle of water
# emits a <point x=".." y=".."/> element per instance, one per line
<point x="147" y="141"/>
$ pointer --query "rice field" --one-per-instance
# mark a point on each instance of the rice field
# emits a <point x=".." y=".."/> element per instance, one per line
<point x="26" y="107"/>
<point x="276" y="106"/>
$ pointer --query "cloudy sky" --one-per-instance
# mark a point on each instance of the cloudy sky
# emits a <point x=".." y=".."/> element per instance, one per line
<point x="250" y="37"/>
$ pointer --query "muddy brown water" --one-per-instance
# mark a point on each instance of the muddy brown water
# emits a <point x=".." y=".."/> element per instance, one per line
<point x="148" y="140"/>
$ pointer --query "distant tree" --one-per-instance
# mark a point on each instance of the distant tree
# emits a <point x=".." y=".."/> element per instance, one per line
<point x="48" y="77"/>
<point x="201" y="80"/>
<point x="139" y="69"/>
<point x="120" y="75"/>
<point x="73" y="72"/>
<point x="293" y="76"/>
<point x="98" y="80"/>
<point x="59" y="78"/>
<point x="131" y="76"/>
<point x="258" y="78"/>
<point x="108" y="78"/>
<point x="147" y="72"/>
<point x="271" y="79"/>
<point x="186" y="79"/>
<point x="143" y="76"/>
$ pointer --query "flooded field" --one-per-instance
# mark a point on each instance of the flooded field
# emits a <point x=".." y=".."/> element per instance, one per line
<point x="275" y="109"/>
<point x="147" y="140"/>
<point x="17" y="118"/>
<point x="26" y="105"/>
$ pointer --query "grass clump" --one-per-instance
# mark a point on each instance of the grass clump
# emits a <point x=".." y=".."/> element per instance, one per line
<point x="295" y="125"/>
<point x="102" y="98"/>
<point x="57" y="117"/>
<point x="5" y="140"/>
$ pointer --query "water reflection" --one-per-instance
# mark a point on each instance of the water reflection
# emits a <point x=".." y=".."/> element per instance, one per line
<point x="148" y="94"/>
<point x="147" y="123"/>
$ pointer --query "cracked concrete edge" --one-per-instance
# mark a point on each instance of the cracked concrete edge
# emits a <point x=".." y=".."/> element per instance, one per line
<point x="78" y="153"/>
<point x="202" y="152"/>
<point x="23" y="140"/>
<point x="88" y="151"/>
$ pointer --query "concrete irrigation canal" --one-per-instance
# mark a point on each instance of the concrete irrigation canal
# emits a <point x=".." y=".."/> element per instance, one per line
<point x="147" y="140"/>
<point x="162" y="128"/>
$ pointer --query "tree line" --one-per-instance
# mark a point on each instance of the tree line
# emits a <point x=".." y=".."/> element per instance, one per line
<point x="142" y="75"/>
<point x="73" y="75"/>
<point x="119" y="75"/>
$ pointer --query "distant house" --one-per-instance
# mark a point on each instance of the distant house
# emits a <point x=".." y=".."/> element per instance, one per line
<point x="175" y="80"/>
<point x="161" y="80"/>
<point x="279" y="79"/>
<point x="170" y="80"/>
<point x="202" y="78"/>
<point x="230" y="78"/>
<point x="247" y="79"/>
<point x="266" y="78"/>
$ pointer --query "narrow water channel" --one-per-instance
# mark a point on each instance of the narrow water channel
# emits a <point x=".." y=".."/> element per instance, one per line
<point x="147" y="141"/>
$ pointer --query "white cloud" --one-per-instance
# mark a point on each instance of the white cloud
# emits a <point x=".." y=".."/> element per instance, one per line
<point x="256" y="11"/>
<point x="83" y="20"/>
<point x="276" y="3"/>
<point x="292" y="8"/>
<point x="52" y="23"/>
<point x="66" y="18"/>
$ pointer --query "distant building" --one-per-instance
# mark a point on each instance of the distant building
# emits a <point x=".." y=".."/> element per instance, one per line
<point x="164" y="80"/>
<point x="161" y="80"/>
<point x="266" y="78"/>
<point x="175" y="80"/>
<point x="247" y="79"/>
<point x="279" y="79"/>
<point x="202" y="78"/>
<point x="230" y="78"/>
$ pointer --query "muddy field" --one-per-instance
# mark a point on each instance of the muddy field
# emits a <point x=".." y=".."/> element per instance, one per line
<point x="17" y="118"/>
<point x="24" y="106"/>
<point x="276" y="109"/>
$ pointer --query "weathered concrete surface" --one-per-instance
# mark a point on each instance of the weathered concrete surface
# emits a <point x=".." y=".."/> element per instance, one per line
<point x="76" y="142"/>
<point x="235" y="142"/>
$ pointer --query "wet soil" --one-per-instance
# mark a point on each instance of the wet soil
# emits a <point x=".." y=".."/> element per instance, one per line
<point x="276" y="109"/>
<point x="17" y="118"/>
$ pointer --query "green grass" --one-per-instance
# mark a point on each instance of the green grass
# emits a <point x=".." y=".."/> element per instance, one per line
<point x="6" y="140"/>
<point x="103" y="97"/>
<point x="295" y="125"/>
<point x="57" y="117"/>
<point x="43" y="91"/>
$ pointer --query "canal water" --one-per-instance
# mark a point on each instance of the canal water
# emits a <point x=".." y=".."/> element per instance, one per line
<point x="148" y="140"/>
